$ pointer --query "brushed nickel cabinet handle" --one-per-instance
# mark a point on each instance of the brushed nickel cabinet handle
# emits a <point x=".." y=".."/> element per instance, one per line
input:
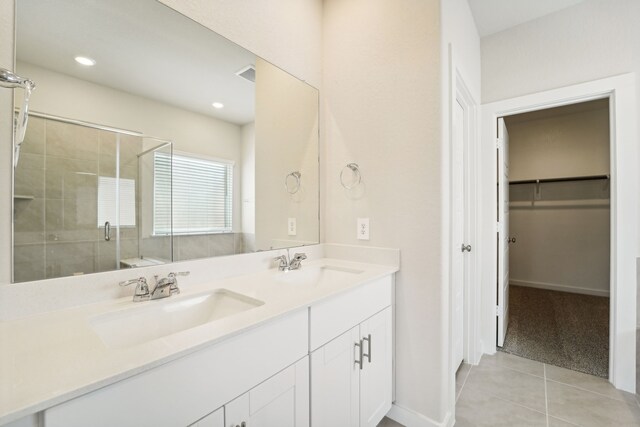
<point x="107" y="231"/>
<point x="368" y="353"/>
<point x="360" y="351"/>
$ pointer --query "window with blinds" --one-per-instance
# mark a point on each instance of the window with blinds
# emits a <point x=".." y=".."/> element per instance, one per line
<point x="202" y="195"/>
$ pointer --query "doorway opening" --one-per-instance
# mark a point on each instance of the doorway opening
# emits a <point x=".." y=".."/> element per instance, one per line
<point x="554" y="235"/>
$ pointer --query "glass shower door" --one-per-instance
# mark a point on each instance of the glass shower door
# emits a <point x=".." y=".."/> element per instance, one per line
<point x="155" y="202"/>
<point x="59" y="200"/>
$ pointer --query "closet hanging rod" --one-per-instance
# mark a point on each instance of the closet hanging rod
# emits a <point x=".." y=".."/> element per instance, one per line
<point x="564" y="179"/>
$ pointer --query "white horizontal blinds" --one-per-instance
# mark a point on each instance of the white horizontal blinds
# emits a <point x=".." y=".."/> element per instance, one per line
<point x="202" y="194"/>
<point x="107" y="191"/>
<point x="161" y="193"/>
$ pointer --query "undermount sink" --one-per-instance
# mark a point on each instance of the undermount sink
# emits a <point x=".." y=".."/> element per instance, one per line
<point x="317" y="276"/>
<point x="156" y="319"/>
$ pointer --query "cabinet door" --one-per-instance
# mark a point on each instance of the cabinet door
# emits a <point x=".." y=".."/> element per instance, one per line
<point x="376" y="374"/>
<point x="214" y="419"/>
<point x="335" y="382"/>
<point x="282" y="400"/>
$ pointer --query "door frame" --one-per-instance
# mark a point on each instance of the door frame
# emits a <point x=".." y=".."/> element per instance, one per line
<point x="459" y="91"/>
<point x="462" y="95"/>
<point x="621" y="92"/>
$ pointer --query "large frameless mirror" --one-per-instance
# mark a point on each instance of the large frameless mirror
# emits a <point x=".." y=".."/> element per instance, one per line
<point x="152" y="139"/>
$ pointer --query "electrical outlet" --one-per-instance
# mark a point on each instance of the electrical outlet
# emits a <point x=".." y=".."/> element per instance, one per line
<point x="291" y="227"/>
<point x="363" y="228"/>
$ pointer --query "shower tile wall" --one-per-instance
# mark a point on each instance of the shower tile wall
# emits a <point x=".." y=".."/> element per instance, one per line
<point x="196" y="246"/>
<point x="55" y="220"/>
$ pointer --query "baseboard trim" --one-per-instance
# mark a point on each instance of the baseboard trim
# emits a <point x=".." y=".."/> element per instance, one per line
<point x="410" y="418"/>
<point x="561" y="288"/>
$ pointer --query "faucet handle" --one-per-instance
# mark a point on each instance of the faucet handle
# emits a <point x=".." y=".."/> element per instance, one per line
<point x="142" y="288"/>
<point x="300" y="256"/>
<point x="180" y="273"/>
<point x="283" y="264"/>
<point x="139" y="280"/>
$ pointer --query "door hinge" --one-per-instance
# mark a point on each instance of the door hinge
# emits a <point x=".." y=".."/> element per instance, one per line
<point x="498" y="310"/>
<point x="498" y="142"/>
<point x="498" y="227"/>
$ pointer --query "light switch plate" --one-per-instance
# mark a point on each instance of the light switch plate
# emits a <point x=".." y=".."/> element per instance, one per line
<point x="291" y="227"/>
<point x="363" y="228"/>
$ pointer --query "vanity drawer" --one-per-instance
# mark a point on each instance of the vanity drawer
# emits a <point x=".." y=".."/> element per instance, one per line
<point x="333" y="317"/>
<point x="189" y="388"/>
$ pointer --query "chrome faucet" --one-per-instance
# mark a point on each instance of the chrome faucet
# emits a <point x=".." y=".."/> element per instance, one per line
<point x="167" y="286"/>
<point x="285" y="263"/>
<point x="296" y="261"/>
<point x="142" y="288"/>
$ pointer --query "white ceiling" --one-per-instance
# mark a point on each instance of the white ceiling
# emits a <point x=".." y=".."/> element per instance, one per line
<point x="140" y="47"/>
<point x="492" y="16"/>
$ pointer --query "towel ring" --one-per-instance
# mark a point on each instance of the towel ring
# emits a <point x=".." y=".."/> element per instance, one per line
<point x="292" y="189"/>
<point x="355" y="171"/>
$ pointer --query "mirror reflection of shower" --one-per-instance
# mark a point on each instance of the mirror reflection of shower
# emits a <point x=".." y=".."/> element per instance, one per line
<point x="13" y="81"/>
<point x="84" y="200"/>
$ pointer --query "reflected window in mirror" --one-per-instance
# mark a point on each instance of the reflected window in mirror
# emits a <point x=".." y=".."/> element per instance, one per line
<point x="202" y="191"/>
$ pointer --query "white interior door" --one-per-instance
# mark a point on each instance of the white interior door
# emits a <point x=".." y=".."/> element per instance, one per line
<point x="503" y="231"/>
<point x="458" y="233"/>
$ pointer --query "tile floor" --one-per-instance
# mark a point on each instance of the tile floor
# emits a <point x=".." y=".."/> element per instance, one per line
<point x="506" y="390"/>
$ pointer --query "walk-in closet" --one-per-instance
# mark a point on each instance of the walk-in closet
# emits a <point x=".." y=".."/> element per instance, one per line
<point x="559" y="236"/>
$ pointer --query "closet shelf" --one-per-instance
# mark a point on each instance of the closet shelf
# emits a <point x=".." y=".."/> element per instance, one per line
<point x="563" y="179"/>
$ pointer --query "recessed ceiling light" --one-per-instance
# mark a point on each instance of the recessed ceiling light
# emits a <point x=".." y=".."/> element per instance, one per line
<point x="85" y="61"/>
<point x="218" y="105"/>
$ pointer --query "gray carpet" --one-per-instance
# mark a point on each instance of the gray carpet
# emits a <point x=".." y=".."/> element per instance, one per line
<point x="559" y="328"/>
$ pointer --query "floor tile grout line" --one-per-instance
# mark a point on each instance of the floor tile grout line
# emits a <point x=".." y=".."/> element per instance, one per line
<point x="587" y="390"/>
<point x="517" y="370"/>
<point x="546" y="395"/>
<point x="565" y="421"/>
<point x="501" y="365"/>
<point x="516" y="403"/>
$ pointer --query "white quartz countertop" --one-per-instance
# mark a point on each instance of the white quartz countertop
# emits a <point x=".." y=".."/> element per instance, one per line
<point x="49" y="358"/>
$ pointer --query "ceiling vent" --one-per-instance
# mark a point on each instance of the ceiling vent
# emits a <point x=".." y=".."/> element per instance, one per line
<point x="248" y="73"/>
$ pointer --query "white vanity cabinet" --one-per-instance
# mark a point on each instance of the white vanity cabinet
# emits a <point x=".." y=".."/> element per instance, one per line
<point x="214" y="419"/>
<point x="351" y="375"/>
<point x="282" y="400"/>
<point x="183" y="391"/>
<point x="326" y="364"/>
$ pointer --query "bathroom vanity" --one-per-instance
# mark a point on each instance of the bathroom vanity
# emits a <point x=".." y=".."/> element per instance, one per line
<point x="298" y="348"/>
<point x="139" y="171"/>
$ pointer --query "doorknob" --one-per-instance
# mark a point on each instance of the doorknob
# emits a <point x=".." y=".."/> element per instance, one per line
<point x="466" y="248"/>
<point x="511" y="240"/>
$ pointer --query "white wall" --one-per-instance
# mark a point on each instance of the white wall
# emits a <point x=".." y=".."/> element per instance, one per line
<point x="381" y="109"/>
<point x="562" y="231"/>
<point x="594" y="39"/>
<point x="65" y="96"/>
